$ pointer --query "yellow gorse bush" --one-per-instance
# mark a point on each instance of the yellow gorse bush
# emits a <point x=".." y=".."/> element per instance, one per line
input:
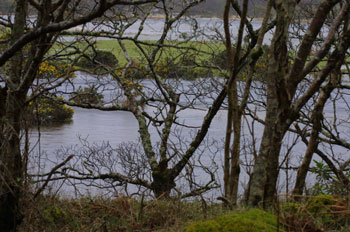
<point x="56" y="70"/>
<point x="3" y="36"/>
<point x="47" y="68"/>
<point x="133" y="85"/>
<point x="51" y="111"/>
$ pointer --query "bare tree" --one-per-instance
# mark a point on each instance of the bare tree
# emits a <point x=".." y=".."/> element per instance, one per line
<point x="28" y="42"/>
<point x="285" y="74"/>
<point x="236" y="106"/>
<point x="157" y="104"/>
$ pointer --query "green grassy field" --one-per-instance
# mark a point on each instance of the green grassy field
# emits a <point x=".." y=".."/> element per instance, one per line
<point x="172" y="49"/>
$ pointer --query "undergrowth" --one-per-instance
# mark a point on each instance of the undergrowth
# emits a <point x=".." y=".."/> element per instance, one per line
<point x="117" y="214"/>
<point x="321" y="213"/>
<point x="316" y="214"/>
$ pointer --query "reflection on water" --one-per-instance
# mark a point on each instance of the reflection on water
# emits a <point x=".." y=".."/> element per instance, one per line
<point x="115" y="127"/>
<point x="95" y="125"/>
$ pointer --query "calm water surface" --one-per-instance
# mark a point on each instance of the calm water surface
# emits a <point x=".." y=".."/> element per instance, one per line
<point x="117" y="127"/>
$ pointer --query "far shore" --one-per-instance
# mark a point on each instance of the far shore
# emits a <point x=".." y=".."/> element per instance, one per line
<point x="162" y="16"/>
<point x="233" y="17"/>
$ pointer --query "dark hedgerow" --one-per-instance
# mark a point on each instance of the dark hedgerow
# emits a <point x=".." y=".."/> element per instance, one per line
<point x="97" y="59"/>
<point x="219" y="60"/>
<point x="168" y="69"/>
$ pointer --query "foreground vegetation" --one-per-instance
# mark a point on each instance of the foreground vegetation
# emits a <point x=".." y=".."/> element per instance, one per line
<point x="317" y="213"/>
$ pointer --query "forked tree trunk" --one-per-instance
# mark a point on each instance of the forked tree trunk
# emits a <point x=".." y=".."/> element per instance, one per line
<point x="162" y="183"/>
<point x="282" y="81"/>
<point x="265" y="174"/>
<point x="316" y="119"/>
<point x="232" y="168"/>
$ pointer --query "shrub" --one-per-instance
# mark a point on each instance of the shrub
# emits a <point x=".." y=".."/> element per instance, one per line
<point x="88" y="95"/>
<point x="327" y="182"/>
<point x="167" y="69"/>
<point x="220" y="60"/>
<point x="182" y="68"/>
<point x="319" y="213"/>
<point x="4" y="37"/>
<point x="47" y="111"/>
<point x="54" y="69"/>
<point x="253" y="220"/>
<point x="136" y="71"/>
<point x="95" y="59"/>
<point x="55" y="214"/>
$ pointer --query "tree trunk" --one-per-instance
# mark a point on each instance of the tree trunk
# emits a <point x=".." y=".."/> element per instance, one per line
<point x="265" y="174"/>
<point x="11" y="170"/>
<point x="236" y="148"/>
<point x="277" y="121"/>
<point x="230" y="65"/>
<point x="316" y="119"/>
<point x="163" y="182"/>
<point x="231" y="168"/>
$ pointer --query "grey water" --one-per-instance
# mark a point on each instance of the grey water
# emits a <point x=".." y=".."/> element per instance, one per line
<point x="119" y="127"/>
<point x="206" y="29"/>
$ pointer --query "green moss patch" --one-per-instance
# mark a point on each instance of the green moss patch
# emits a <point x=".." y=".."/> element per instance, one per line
<point x="253" y="220"/>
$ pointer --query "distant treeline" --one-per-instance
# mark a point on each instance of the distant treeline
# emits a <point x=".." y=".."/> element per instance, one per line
<point x="216" y="7"/>
<point x="207" y="8"/>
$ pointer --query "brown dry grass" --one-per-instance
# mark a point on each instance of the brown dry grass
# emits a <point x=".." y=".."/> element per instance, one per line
<point x="117" y="214"/>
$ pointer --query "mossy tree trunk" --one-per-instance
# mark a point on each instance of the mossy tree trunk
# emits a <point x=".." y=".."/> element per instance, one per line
<point x="316" y="120"/>
<point x="22" y="56"/>
<point x="234" y="113"/>
<point x="236" y="104"/>
<point x="282" y="80"/>
<point x="12" y="106"/>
